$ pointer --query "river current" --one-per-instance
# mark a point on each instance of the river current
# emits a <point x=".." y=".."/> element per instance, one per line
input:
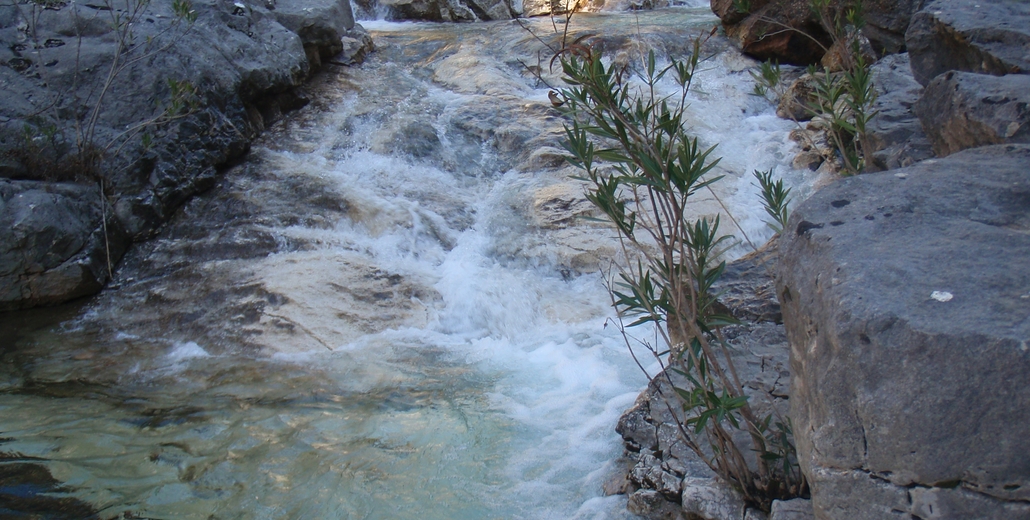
<point x="391" y="309"/>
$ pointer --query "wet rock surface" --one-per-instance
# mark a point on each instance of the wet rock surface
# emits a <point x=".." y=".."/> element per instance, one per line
<point x="29" y="490"/>
<point x="901" y="269"/>
<point x="55" y="242"/>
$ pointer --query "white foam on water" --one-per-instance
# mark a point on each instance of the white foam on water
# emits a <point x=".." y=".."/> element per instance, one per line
<point x="185" y="351"/>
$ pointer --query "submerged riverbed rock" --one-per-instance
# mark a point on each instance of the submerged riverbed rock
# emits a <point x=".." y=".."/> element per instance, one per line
<point x="906" y="296"/>
<point x="437" y="10"/>
<point x="29" y="490"/>
<point x="982" y="36"/>
<point x="244" y="60"/>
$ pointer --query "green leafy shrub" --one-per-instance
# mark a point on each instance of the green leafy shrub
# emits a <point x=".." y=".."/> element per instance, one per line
<point x="768" y="80"/>
<point x="642" y="171"/>
<point x="846" y="99"/>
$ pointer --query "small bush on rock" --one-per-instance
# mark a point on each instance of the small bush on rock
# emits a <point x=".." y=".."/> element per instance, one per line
<point x="642" y="170"/>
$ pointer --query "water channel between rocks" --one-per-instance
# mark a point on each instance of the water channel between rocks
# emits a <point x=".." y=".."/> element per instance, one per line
<point x="389" y="310"/>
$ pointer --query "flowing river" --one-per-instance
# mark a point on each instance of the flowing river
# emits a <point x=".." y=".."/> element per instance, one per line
<point x="390" y="310"/>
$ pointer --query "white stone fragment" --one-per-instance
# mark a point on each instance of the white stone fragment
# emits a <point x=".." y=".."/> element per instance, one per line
<point x="942" y="296"/>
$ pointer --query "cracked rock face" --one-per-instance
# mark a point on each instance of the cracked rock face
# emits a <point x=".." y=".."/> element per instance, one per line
<point x="906" y="296"/>
<point x="982" y="36"/>
<point x="961" y="110"/>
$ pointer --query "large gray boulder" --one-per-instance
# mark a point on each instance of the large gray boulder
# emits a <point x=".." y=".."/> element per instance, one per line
<point x="962" y="110"/>
<point x="984" y="36"/>
<point x="886" y="22"/>
<point x="54" y="244"/>
<point x="906" y="300"/>
<point x="320" y="24"/>
<point x="245" y="59"/>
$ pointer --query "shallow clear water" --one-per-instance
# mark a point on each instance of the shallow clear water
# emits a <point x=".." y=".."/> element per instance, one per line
<point x="389" y="310"/>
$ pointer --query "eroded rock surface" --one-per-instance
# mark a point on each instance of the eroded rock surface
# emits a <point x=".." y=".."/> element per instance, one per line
<point x="983" y="36"/>
<point x="245" y="60"/>
<point x="961" y="110"/>
<point x="907" y="304"/>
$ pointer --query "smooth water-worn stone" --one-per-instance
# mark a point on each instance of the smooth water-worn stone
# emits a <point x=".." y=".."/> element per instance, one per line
<point x="783" y="30"/>
<point x="962" y="110"/>
<point x="983" y="36"/>
<point x="789" y="31"/>
<point x="906" y="299"/>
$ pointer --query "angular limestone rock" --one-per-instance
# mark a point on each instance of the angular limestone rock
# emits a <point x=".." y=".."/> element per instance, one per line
<point x="796" y="509"/>
<point x="984" y="36"/>
<point x="906" y="298"/>
<point x="711" y="499"/>
<point x="53" y="245"/>
<point x="962" y="110"/>
<point x="895" y="132"/>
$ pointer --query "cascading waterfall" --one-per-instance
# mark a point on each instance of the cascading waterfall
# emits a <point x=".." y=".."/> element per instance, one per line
<point x="390" y="310"/>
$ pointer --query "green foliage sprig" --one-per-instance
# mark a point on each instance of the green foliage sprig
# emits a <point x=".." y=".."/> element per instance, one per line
<point x="775" y="198"/>
<point x="768" y="80"/>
